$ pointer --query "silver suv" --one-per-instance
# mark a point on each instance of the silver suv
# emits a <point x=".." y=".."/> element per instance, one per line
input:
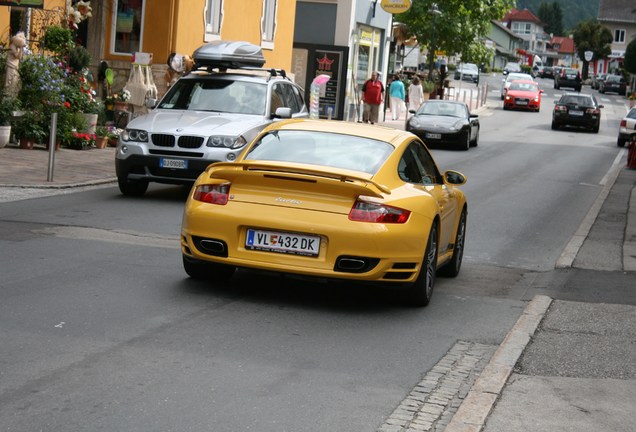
<point x="207" y="116"/>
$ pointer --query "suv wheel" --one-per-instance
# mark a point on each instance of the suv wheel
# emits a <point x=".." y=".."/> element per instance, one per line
<point x="132" y="188"/>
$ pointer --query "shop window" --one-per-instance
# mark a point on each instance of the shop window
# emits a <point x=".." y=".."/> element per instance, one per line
<point x="128" y="18"/>
<point x="213" y="19"/>
<point x="268" y="23"/>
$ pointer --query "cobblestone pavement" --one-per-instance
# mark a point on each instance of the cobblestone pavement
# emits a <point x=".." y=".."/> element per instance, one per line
<point x="437" y="397"/>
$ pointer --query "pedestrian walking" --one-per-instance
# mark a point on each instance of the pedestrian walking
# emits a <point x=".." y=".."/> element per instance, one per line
<point x="416" y="93"/>
<point x="397" y="95"/>
<point x="372" y="97"/>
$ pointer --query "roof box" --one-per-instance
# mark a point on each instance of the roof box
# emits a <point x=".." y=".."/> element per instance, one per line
<point x="228" y="55"/>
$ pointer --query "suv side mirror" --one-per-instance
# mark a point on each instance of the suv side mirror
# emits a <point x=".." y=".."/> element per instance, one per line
<point x="151" y="103"/>
<point x="283" y="112"/>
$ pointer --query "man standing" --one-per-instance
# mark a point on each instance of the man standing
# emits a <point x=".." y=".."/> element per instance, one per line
<point x="372" y="97"/>
<point x="397" y="93"/>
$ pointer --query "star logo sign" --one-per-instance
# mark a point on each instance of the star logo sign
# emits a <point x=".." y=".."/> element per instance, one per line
<point x="324" y="63"/>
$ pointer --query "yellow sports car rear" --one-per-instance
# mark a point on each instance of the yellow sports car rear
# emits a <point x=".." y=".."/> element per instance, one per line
<point x="332" y="200"/>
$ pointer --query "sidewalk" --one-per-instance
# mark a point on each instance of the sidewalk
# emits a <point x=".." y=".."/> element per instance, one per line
<point x="564" y="366"/>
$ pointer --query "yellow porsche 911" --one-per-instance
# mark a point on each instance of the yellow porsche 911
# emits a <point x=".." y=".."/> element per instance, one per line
<point x="332" y="200"/>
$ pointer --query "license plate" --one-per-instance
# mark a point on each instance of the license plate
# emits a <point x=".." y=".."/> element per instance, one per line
<point x="576" y="113"/>
<point x="522" y="102"/>
<point x="434" y="136"/>
<point x="282" y="242"/>
<point x="173" y="163"/>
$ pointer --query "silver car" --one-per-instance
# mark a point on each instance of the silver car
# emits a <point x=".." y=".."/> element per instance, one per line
<point x="206" y="116"/>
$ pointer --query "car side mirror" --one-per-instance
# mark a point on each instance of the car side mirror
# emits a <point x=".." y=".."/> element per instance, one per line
<point x="454" y="177"/>
<point x="601" y="106"/>
<point x="151" y="103"/>
<point x="283" y="112"/>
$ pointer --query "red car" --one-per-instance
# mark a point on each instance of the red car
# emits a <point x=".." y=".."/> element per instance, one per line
<point x="523" y="94"/>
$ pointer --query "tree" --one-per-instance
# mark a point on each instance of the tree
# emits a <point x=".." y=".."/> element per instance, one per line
<point x="592" y="36"/>
<point x="630" y="57"/>
<point x="551" y="15"/>
<point x="459" y="29"/>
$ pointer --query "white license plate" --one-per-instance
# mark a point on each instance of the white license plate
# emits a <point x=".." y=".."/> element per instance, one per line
<point x="434" y="136"/>
<point x="576" y="113"/>
<point x="281" y="242"/>
<point x="522" y="102"/>
<point x="173" y="163"/>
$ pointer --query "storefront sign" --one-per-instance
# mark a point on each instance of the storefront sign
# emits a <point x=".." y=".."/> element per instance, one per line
<point x="38" y="4"/>
<point x="395" y="6"/>
<point x="329" y="63"/>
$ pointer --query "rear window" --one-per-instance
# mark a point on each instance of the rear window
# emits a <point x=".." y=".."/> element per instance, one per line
<point x="328" y="149"/>
<point x="578" y="100"/>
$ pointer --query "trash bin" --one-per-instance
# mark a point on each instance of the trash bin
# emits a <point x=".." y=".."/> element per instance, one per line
<point x="631" y="152"/>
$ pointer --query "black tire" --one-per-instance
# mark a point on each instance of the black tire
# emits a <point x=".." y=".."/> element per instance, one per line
<point x="595" y="129"/>
<point x="555" y="126"/>
<point x="578" y="89"/>
<point x="454" y="265"/>
<point x="464" y="145"/>
<point x="621" y="142"/>
<point x="202" y="270"/>
<point x="475" y="142"/>
<point x="421" y="290"/>
<point x="132" y="188"/>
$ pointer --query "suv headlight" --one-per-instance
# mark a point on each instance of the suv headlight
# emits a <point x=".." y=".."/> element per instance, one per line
<point x="231" y="142"/>
<point x="135" y="135"/>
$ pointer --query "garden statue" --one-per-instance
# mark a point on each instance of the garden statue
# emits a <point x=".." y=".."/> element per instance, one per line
<point x="14" y="55"/>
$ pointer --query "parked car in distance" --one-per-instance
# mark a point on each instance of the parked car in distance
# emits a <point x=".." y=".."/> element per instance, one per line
<point x="445" y="124"/>
<point x="511" y="67"/>
<point x="613" y="84"/>
<point x="627" y="128"/>
<point x="597" y="80"/>
<point x="329" y="200"/>
<point x="568" y="77"/>
<point x="523" y="94"/>
<point x="510" y="78"/>
<point x="547" y="72"/>
<point x="467" y="72"/>
<point x="207" y="116"/>
<point x="577" y="109"/>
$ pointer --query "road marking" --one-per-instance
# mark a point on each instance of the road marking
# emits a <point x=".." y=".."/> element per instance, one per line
<point x="126" y="237"/>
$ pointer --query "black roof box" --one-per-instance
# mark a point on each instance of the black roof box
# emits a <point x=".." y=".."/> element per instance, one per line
<point x="228" y="55"/>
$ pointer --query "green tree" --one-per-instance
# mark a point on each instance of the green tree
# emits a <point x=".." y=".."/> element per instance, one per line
<point x="630" y="57"/>
<point x="551" y="15"/>
<point x="458" y="29"/>
<point x="592" y="36"/>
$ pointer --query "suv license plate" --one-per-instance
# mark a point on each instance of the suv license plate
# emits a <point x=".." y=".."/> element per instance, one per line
<point x="281" y="242"/>
<point x="576" y="113"/>
<point x="434" y="136"/>
<point x="173" y="163"/>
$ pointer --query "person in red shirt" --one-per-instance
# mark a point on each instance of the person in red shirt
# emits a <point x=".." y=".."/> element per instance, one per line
<point x="372" y="97"/>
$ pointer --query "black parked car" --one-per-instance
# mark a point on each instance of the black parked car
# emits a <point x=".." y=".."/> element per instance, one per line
<point x="568" y="77"/>
<point x="547" y="72"/>
<point x="577" y="109"/>
<point x="613" y="83"/>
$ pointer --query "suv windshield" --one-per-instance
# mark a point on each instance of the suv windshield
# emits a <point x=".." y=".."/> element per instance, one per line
<point x="219" y="95"/>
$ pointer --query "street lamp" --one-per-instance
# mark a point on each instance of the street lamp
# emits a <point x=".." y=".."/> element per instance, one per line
<point x="434" y="11"/>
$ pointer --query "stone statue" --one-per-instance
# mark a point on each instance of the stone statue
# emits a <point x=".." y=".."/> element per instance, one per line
<point x="14" y="55"/>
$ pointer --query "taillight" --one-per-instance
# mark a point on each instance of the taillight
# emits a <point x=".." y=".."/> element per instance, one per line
<point x="561" y="108"/>
<point x="365" y="211"/>
<point x="623" y="123"/>
<point x="593" y="111"/>
<point x="212" y="194"/>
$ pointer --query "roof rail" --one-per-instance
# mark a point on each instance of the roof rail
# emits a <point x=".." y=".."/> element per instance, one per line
<point x="272" y="71"/>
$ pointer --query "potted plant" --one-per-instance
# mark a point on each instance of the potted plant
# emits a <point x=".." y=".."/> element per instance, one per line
<point x="81" y="140"/>
<point x="29" y="129"/>
<point x="101" y="136"/>
<point x="427" y="88"/>
<point x="8" y="105"/>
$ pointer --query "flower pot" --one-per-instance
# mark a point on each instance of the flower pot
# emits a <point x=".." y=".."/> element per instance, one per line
<point x="101" y="142"/>
<point x="91" y="123"/>
<point x="26" y="143"/>
<point x="5" y="135"/>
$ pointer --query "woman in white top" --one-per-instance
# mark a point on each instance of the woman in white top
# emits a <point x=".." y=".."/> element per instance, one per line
<point x="416" y="94"/>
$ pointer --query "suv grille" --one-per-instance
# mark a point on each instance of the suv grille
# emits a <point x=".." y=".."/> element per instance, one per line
<point x="165" y="140"/>
<point x="162" y="140"/>
<point x="190" y="141"/>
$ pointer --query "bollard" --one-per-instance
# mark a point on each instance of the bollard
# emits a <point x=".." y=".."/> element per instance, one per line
<point x="52" y="138"/>
<point x="631" y="153"/>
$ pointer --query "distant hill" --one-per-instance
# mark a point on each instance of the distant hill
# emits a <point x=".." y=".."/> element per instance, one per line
<point x="574" y="11"/>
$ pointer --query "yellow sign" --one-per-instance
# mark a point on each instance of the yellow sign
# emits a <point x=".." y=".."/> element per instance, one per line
<point x="396" y="6"/>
